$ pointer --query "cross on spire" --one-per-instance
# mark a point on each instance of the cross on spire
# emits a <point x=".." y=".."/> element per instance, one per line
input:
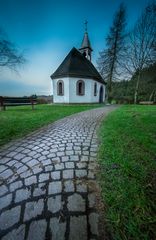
<point x="86" y="22"/>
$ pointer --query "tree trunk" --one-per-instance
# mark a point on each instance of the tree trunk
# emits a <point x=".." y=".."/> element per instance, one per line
<point x="110" y="82"/>
<point x="136" y="93"/>
<point x="152" y="96"/>
<point x="109" y="94"/>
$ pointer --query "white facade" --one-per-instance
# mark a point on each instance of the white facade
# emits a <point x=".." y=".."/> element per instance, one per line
<point x="70" y="94"/>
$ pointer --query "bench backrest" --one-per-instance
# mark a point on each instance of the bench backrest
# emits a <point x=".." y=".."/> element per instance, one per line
<point x="9" y="101"/>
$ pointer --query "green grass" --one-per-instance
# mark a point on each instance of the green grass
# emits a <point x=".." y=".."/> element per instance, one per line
<point x="127" y="156"/>
<point x="18" y="121"/>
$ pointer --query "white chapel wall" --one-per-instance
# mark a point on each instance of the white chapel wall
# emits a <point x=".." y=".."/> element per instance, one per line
<point x="73" y="97"/>
<point x="96" y="98"/>
<point x="88" y="97"/>
<point x="64" y="98"/>
<point x="70" y="91"/>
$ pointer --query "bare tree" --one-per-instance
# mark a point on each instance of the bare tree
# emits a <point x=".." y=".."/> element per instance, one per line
<point x="141" y="48"/>
<point x="9" y="55"/>
<point x="109" y="60"/>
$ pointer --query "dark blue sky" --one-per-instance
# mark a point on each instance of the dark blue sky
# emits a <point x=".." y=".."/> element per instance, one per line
<point x="47" y="29"/>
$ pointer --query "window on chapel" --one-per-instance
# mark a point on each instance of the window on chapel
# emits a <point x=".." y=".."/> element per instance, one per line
<point x="60" y="88"/>
<point x="95" y="89"/>
<point x="80" y="88"/>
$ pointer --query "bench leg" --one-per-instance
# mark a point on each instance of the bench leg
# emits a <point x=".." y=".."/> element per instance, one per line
<point x="3" y="108"/>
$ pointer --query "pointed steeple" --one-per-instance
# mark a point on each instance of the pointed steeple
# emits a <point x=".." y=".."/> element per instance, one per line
<point x="86" y="49"/>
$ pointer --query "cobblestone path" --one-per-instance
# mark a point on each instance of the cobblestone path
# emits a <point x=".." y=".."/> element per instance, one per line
<point x="45" y="181"/>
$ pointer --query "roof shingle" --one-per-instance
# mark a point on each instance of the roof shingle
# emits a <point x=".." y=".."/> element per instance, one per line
<point x="76" y="65"/>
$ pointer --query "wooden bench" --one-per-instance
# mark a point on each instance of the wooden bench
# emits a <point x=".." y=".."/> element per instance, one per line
<point x="146" y="102"/>
<point x="17" y="101"/>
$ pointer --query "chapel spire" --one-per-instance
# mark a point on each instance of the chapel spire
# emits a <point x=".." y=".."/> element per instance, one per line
<point x="86" y="49"/>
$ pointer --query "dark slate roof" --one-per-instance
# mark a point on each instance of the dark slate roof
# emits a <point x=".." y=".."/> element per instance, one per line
<point x="86" y="42"/>
<point x="76" y="65"/>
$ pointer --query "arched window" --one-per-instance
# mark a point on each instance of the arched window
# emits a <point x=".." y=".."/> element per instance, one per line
<point x="60" y="88"/>
<point x="95" y="89"/>
<point x="101" y="91"/>
<point x="80" y="88"/>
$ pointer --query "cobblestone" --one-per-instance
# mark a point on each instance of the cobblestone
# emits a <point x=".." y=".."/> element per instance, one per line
<point x="76" y="203"/>
<point x="16" y="234"/>
<point x="37" y="169"/>
<point x="5" y="201"/>
<point x="69" y="165"/>
<point x="44" y="163"/>
<point x="60" y="154"/>
<point x="32" y="153"/>
<point x="55" y="187"/>
<point x="48" y="168"/>
<point x="26" y="159"/>
<point x="69" y="153"/>
<point x="9" y="217"/>
<point x="55" y="175"/>
<point x="3" y="190"/>
<point x="69" y="186"/>
<point x="81" y="173"/>
<point x="33" y="209"/>
<point x="26" y="174"/>
<point x="91" y="199"/>
<point x="6" y="174"/>
<point x="78" y="228"/>
<point x="81" y="165"/>
<point x="22" y="194"/>
<point x="30" y="180"/>
<point x="51" y="155"/>
<point x="65" y="159"/>
<point x="2" y="168"/>
<point x="11" y="154"/>
<point x="32" y="163"/>
<point x="81" y="186"/>
<point x="19" y="156"/>
<point x="12" y="162"/>
<point x="59" y="166"/>
<point x="43" y="177"/>
<point x="74" y="158"/>
<point x="54" y="204"/>
<point x="37" y="230"/>
<point x="93" y="221"/>
<point x="84" y="158"/>
<point x="40" y="190"/>
<point x="58" y="229"/>
<point x="91" y="174"/>
<point x="22" y="169"/>
<point x="5" y="160"/>
<point x="68" y="174"/>
<point x="48" y="181"/>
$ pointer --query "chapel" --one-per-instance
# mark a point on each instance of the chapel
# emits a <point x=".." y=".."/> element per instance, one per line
<point x="76" y="80"/>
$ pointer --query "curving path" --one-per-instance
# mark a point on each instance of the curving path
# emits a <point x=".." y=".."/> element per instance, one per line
<point x="47" y="181"/>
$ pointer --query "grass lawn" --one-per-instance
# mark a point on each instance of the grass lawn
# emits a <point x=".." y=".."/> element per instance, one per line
<point x="127" y="156"/>
<point x="18" y="121"/>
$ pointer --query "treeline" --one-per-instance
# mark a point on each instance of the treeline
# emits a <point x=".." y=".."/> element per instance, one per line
<point x="123" y="91"/>
<point x="128" y="61"/>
